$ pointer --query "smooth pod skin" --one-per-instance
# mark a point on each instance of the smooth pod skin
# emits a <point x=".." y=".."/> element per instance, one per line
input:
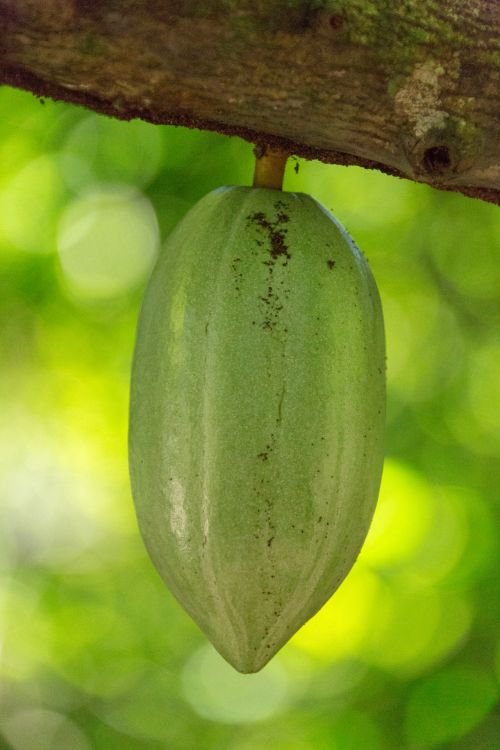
<point x="257" y="415"/>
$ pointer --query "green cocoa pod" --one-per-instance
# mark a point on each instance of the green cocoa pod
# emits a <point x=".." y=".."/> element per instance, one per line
<point x="257" y="415"/>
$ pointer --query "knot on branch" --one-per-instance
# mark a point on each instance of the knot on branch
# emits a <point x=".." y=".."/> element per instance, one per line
<point x="443" y="153"/>
<point x="438" y="145"/>
<point x="437" y="160"/>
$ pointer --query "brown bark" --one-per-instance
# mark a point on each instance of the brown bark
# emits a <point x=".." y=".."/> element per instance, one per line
<point x="407" y="87"/>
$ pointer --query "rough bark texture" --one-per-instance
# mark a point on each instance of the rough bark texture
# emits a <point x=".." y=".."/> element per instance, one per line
<point x="409" y="87"/>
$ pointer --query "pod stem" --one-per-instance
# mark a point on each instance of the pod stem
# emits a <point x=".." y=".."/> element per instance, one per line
<point x="270" y="166"/>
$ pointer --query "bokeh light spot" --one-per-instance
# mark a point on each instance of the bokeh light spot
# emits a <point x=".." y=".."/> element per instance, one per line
<point x="401" y="519"/>
<point x="448" y="704"/>
<point x="428" y="326"/>
<point x="447" y="229"/>
<point x="352" y="190"/>
<point x="146" y="711"/>
<point x="24" y="630"/>
<point x="29" y="201"/>
<point x="44" y="516"/>
<point x="40" y="729"/>
<point x="343" y="622"/>
<point x="107" y="242"/>
<point x="478" y="421"/>
<point x="479" y="546"/>
<point x="417" y="629"/>
<point x="217" y="692"/>
<point x="102" y="149"/>
<point x="443" y="546"/>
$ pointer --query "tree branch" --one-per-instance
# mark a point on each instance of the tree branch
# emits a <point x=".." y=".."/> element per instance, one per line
<point x="410" y="87"/>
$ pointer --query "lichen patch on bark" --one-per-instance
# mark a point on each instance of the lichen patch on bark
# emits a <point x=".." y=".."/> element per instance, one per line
<point x="418" y="101"/>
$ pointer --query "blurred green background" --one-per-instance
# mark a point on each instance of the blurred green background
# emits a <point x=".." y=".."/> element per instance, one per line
<point x="94" y="651"/>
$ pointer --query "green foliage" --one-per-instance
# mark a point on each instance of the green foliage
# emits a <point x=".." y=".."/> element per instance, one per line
<point x="458" y="697"/>
<point x="95" y="652"/>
